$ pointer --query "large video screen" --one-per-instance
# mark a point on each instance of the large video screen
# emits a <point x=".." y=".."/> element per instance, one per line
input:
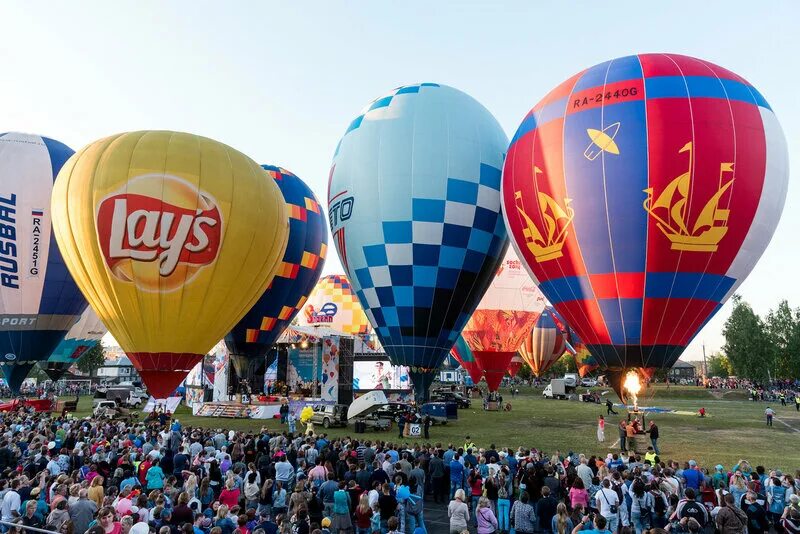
<point x="380" y="375"/>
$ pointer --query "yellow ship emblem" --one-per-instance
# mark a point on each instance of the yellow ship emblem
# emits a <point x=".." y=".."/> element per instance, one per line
<point x="546" y="245"/>
<point x="669" y="209"/>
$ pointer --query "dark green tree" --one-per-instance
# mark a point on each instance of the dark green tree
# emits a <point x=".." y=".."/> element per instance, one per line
<point x="783" y="331"/>
<point x="747" y="343"/>
<point x="92" y="359"/>
<point x="524" y="372"/>
<point x="718" y="365"/>
<point x="565" y="364"/>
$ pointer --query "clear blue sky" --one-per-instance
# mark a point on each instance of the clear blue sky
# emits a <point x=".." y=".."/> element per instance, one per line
<point x="280" y="81"/>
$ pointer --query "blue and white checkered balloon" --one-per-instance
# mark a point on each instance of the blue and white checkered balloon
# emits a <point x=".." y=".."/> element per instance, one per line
<point x="414" y="207"/>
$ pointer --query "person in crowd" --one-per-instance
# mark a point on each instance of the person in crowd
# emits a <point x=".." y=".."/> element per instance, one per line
<point x="458" y="512"/>
<point x="487" y="522"/>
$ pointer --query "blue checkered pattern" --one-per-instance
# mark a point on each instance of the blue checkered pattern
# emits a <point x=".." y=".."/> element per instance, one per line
<point x="434" y="264"/>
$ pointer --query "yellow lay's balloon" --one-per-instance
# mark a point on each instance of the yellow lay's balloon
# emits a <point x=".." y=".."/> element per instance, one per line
<point x="171" y="237"/>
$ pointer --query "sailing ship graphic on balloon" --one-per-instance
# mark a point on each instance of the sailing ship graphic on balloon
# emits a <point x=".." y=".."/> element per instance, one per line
<point x="710" y="226"/>
<point x="546" y="245"/>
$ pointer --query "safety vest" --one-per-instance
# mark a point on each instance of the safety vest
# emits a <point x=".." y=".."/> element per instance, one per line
<point x="469" y="445"/>
<point x="650" y="456"/>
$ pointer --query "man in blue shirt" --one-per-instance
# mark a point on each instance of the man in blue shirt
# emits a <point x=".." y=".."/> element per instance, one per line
<point x="693" y="476"/>
<point x="456" y="475"/>
<point x="470" y="460"/>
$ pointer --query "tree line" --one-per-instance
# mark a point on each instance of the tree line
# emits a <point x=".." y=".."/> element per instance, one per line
<point x="760" y="348"/>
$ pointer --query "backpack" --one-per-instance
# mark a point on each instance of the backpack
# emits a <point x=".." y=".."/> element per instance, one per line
<point x="502" y="493"/>
<point x="618" y="490"/>
<point x="659" y="508"/>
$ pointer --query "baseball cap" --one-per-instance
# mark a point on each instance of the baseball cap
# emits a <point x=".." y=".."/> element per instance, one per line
<point x="692" y="463"/>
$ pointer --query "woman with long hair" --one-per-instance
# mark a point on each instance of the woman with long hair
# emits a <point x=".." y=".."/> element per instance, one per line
<point x="641" y="506"/>
<point x="738" y="488"/>
<point x="265" y="498"/>
<point x="251" y="490"/>
<point x="96" y="491"/>
<point x="363" y="515"/>
<point x="205" y="493"/>
<point x="190" y="486"/>
<point x="278" y="499"/>
<point x="222" y="521"/>
<point x="561" y="522"/>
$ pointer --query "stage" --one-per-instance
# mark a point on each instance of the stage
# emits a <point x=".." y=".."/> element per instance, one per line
<point x="254" y="410"/>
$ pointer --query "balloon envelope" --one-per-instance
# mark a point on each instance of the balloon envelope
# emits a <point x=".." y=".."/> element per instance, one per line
<point x="84" y="335"/>
<point x="545" y="343"/>
<point x="464" y="356"/>
<point x="515" y="365"/>
<point x="334" y="304"/>
<point x="584" y="361"/>
<point x="506" y="314"/>
<point x="254" y="334"/>
<point x="172" y="237"/>
<point x="40" y="301"/>
<point x="640" y="193"/>
<point x="414" y="208"/>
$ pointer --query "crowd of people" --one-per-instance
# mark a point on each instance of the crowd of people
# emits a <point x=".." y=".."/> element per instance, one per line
<point x="103" y="476"/>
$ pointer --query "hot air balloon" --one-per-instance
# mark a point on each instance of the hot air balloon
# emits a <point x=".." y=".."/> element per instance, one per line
<point x="515" y="365"/>
<point x="84" y="335"/>
<point x="253" y="336"/>
<point x="40" y="301"/>
<point x="466" y="359"/>
<point x="641" y="193"/>
<point x="506" y="314"/>
<point x="172" y="237"/>
<point x="545" y="343"/>
<point x="334" y="304"/>
<point x="584" y="360"/>
<point x="414" y="208"/>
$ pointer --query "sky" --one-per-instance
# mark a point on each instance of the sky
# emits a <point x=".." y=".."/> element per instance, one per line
<point x="281" y="81"/>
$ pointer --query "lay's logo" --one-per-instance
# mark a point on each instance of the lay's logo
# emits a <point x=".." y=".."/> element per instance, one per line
<point x="159" y="231"/>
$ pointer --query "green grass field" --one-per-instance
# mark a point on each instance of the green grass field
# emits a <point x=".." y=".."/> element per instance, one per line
<point x="734" y="428"/>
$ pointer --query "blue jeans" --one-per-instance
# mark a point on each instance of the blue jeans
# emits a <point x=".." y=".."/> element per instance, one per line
<point x="503" y="507"/>
<point x="612" y="523"/>
<point x="413" y="521"/>
<point x="474" y="506"/>
<point x="454" y="485"/>
<point x="360" y="530"/>
<point x="640" y="522"/>
<point x="655" y="446"/>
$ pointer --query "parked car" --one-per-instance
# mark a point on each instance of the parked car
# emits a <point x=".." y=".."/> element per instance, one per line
<point x="588" y="382"/>
<point x="451" y="396"/>
<point x="393" y="410"/>
<point x="330" y="415"/>
<point x="571" y="380"/>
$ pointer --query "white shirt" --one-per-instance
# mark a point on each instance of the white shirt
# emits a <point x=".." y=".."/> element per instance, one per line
<point x="605" y="498"/>
<point x="373" y="497"/>
<point x="11" y="503"/>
